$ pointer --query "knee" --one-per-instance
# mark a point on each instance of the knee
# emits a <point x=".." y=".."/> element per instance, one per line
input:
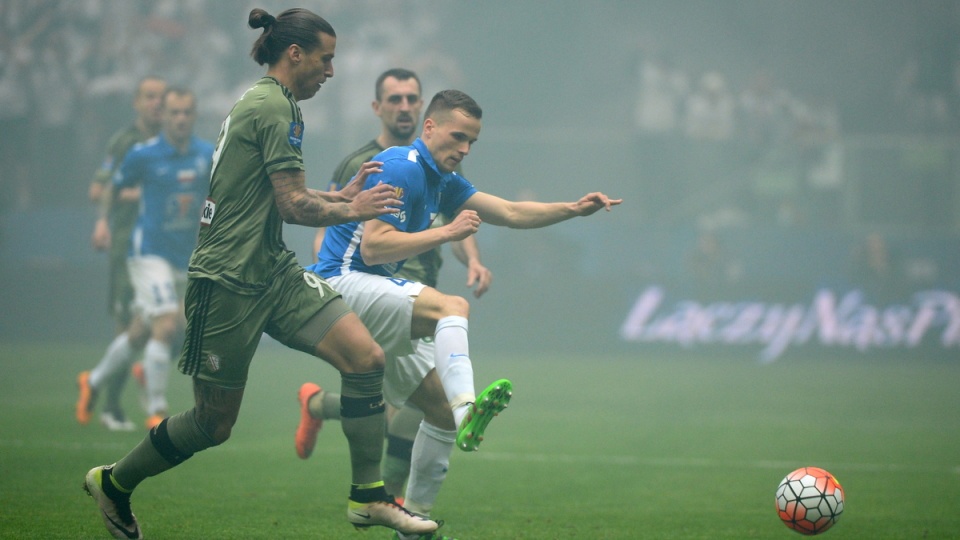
<point x="216" y="427"/>
<point x="369" y="358"/>
<point x="455" y="306"/>
<point x="374" y="359"/>
<point x="138" y="333"/>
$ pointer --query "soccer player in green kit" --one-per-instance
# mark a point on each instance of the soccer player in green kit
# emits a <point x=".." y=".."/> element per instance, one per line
<point x="398" y="102"/>
<point x="243" y="282"/>
<point x="111" y="233"/>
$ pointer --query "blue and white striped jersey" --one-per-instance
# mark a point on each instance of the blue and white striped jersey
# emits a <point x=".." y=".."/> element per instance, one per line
<point x="425" y="192"/>
<point x="173" y="188"/>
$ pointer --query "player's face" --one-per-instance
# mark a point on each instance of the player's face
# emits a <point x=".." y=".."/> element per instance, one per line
<point x="449" y="137"/>
<point x="399" y="107"/>
<point x="149" y="102"/>
<point x="314" y="68"/>
<point x="179" y="115"/>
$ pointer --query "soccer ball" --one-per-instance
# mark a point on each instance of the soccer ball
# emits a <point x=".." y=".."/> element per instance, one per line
<point x="809" y="500"/>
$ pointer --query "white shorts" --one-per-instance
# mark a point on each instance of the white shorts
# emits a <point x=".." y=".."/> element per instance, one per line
<point x="158" y="287"/>
<point x="385" y="305"/>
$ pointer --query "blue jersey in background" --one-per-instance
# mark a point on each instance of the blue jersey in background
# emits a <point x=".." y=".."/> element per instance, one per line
<point x="173" y="188"/>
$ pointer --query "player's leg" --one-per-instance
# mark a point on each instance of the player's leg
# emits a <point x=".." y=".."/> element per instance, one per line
<point x="446" y="316"/>
<point x="402" y="429"/>
<point x="219" y="363"/>
<point x="108" y="377"/>
<point x="430" y="453"/>
<point x="336" y="334"/>
<point x="156" y="291"/>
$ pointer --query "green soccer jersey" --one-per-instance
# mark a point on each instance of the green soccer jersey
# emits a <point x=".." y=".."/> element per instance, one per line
<point x="123" y="214"/>
<point x="425" y="267"/>
<point x="240" y="244"/>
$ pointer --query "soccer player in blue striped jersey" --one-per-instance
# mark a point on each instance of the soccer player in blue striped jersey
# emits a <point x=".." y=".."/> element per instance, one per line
<point x="360" y="260"/>
<point x="170" y="175"/>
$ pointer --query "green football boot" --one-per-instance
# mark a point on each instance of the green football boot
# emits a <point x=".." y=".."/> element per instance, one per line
<point x="488" y="404"/>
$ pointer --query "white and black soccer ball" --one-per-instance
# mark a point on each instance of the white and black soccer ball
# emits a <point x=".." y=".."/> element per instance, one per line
<point x="809" y="500"/>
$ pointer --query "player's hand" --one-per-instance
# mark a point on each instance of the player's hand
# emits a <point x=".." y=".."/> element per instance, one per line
<point x="379" y="200"/>
<point x="481" y="276"/>
<point x="592" y="202"/>
<point x="355" y="185"/>
<point x="101" y="235"/>
<point x="465" y="224"/>
<point x="95" y="192"/>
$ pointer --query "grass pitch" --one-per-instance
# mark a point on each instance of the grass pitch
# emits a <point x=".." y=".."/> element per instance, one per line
<point x="591" y="447"/>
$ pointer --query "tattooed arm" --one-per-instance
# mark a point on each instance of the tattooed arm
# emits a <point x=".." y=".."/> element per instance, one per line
<point x="300" y="205"/>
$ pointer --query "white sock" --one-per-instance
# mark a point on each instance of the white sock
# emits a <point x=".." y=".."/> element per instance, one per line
<point x="453" y="364"/>
<point x="428" y="467"/>
<point x="156" y="368"/>
<point x="119" y="356"/>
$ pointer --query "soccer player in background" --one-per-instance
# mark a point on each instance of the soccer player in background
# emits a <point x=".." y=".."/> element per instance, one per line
<point x="111" y="233"/>
<point x="361" y="259"/>
<point x="398" y="101"/>
<point x="167" y="176"/>
<point x="242" y="282"/>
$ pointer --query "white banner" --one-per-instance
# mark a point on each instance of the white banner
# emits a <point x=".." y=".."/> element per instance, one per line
<point x="829" y="319"/>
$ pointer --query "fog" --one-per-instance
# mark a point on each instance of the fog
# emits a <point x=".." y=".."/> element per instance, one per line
<point x="756" y="144"/>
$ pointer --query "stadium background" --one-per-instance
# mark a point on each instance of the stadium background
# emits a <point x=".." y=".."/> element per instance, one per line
<point x="857" y="137"/>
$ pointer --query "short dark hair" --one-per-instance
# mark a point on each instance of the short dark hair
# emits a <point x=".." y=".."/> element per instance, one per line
<point x="399" y="74"/>
<point x="448" y="100"/>
<point x="294" y="26"/>
<point x="179" y="91"/>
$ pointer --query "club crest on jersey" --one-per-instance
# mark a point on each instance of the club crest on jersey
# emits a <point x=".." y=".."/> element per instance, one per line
<point x="213" y="363"/>
<point x="186" y="176"/>
<point x="296" y="134"/>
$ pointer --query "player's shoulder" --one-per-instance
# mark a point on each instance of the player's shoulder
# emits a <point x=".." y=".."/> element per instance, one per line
<point x="400" y="157"/>
<point x="360" y="155"/>
<point x="147" y="148"/>
<point x="123" y="139"/>
<point x="351" y="163"/>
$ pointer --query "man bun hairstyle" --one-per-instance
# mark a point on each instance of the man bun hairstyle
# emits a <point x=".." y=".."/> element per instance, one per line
<point x="448" y="100"/>
<point x="294" y="26"/>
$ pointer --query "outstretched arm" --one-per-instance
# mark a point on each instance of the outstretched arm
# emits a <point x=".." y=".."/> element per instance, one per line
<point x="531" y="214"/>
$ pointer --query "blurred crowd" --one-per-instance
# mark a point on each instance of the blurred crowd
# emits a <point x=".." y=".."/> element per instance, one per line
<point x="771" y="156"/>
<point x="68" y="70"/>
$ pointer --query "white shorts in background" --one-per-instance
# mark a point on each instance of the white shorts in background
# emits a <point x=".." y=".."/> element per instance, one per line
<point x="385" y="305"/>
<point x="157" y="286"/>
<point x="403" y="374"/>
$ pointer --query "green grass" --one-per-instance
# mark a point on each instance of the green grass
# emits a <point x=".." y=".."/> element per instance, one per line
<point x="591" y="447"/>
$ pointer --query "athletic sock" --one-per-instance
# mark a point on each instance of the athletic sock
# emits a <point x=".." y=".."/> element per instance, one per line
<point x="362" y="421"/>
<point x="156" y="366"/>
<point x="428" y="467"/>
<point x="118" y="357"/>
<point x="453" y="363"/>
<point x="401" y="432"/>
<point x="167" y="445"/>
<point x="367" y="493"/>
<point x="324" y="405"/>
<point x="114" y="391"/>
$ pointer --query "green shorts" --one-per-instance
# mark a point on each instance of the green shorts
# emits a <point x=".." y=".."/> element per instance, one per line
<point x="120" y="290"/>
<point x="224" y="327"/>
